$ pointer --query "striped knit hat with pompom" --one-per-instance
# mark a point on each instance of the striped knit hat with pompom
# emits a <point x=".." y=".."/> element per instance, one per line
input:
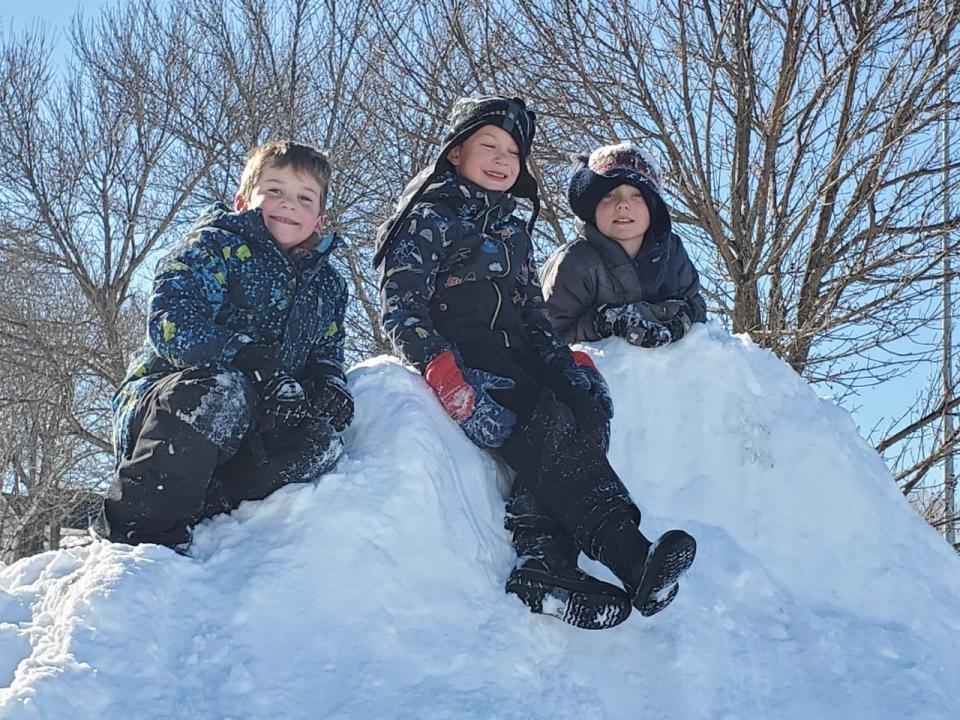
<point x="607" y="167"/>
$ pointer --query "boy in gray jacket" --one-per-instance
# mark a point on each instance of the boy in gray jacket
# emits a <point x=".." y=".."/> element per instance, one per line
<point x="626" y="273"/>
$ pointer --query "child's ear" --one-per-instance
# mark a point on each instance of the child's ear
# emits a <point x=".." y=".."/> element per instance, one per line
<point x="454" y="156"/>
<point x="239" y="203"/>
<point x="321" y="221"/>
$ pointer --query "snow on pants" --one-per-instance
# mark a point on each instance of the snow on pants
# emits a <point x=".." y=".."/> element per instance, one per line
<point x="564" y="481"/>
<point x="195" y="452"/>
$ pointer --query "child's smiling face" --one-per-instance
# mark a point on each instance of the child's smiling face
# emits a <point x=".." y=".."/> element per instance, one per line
<point x="490" y="158"/>
<point x="292" y="204"/>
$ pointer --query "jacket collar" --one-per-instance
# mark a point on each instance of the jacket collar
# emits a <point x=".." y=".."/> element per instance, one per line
<point x="634" y="275"/>
<point x="250" y="226"/>
<point x="468" y="200"/>
<point x="613" y="253"/>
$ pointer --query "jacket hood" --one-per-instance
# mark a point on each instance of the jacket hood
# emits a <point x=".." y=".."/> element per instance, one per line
<point x="468" y="115"/>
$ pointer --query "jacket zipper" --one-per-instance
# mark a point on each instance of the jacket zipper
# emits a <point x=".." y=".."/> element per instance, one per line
<point x="496" y="310"/>
<point x="496" y="288"/>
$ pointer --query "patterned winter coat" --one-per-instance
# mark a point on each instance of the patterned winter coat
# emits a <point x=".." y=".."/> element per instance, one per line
<point x="226" y="285"/>
<point x="461" y="271"/>
<point x="594" y="270"/>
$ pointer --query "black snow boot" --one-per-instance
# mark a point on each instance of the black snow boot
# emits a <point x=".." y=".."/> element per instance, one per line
<point x="669" y="558"/>
<point x="546" y="577"/>
<point x="568" y="593"/>
<point x="649" y="571"/>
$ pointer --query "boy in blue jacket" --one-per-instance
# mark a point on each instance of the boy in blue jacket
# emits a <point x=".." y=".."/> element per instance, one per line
<point x="461" y="302"/>
<point x="239" y="388"/>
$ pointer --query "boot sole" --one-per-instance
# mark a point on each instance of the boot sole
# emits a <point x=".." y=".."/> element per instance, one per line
<point x="590" y="605"/>
<point x="667" y="562"/>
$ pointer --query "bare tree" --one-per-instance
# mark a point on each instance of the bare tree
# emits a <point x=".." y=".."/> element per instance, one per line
<point x="47" y="464"/>
<point x="97" y="169"/>
<point x="798" y="141"/>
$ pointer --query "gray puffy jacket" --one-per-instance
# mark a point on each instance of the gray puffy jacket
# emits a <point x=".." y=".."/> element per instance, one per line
<point x="593" y="270"/>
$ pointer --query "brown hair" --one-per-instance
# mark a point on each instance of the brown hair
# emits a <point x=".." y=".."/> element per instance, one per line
<point x="286" y="153"/>
<point x="283" y="153"/>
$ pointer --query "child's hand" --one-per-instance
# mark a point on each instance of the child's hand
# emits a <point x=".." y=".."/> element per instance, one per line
<point x="585" y="376"/>
<point x="283" y="401"/>
<point x="335" y="403"/>
<point x="649" y="334"/>
<point x="680" y="320"/>
<point x="464" y="395"/>
<point x="635" y="323"/>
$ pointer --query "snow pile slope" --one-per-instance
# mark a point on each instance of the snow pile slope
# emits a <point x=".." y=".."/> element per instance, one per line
<point x="376" y="592"/>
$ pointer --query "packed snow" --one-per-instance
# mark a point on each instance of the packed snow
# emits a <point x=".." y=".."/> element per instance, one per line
<point x="377" y="590"/>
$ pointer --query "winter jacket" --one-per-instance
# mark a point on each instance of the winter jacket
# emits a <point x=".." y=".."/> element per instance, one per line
<point x="594" y="270"/>
<point x="229" y="284"/>
<point x="461" y="270"/>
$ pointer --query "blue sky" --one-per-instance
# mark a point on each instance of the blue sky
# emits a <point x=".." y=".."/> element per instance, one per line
<point x="51" y="13"/>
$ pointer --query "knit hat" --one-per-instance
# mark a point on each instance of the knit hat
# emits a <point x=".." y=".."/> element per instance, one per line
<point x="609" y="166"/>
<point x="468" y="115"/>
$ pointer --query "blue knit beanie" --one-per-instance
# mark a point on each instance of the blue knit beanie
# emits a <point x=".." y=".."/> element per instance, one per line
<point x="593" y="176"/>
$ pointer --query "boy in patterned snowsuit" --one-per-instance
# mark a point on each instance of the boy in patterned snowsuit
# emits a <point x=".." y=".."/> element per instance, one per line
<point x="461" y="302"/>
<point x="239" y="388"/>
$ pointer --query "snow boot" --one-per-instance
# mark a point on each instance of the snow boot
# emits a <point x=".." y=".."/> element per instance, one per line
<point x="667" y="560"/>
<point x="546" y="577"/>
<point x="649" y="571"/>
<point x="569" y="594"/>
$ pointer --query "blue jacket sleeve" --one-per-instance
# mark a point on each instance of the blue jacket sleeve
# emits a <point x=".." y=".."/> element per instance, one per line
<point x="407" y="284"/>
<point x="188" y="291"/>
<point x="326" y="356"/>
<point x="329" y="346"/>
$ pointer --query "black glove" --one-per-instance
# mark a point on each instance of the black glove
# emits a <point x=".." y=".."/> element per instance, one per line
<point x="679" y="318"/>
<point x="633" y="322"/>
<point x="332" y="399"/>
<point x="283" y="401"/>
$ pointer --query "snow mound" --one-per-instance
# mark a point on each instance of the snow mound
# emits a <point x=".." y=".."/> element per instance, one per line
<point x="377" y="591"/>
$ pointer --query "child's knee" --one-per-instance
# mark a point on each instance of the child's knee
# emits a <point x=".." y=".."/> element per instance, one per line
<point x="218" y="402"/>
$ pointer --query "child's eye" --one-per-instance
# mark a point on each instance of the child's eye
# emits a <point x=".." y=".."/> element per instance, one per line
<point x="274" y="191"/>
<point x="306" y="199"/>
<point x="488" y="145"/>
<point x="515" y="153"/>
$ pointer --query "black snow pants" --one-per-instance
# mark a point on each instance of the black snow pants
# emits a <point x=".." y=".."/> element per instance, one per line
<point x="195" y="452"/>
<point x="566" y="497"/>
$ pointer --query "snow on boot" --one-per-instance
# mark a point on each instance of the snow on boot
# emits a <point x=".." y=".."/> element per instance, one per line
<point x="667" y="560"/>
<point x="568" y="594"/>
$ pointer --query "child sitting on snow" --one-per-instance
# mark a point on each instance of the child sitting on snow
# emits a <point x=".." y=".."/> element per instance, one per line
<point x="239" y="388"/>
<point x="461" y="302"/>
<point x="626" y="274"/>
